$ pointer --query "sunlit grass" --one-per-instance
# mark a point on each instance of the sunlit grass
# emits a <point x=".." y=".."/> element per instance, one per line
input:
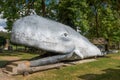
<point x="104" y="68"/>
<point x="21" y="55"/>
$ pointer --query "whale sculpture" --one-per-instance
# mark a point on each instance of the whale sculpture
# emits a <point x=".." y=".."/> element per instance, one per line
<point x="45" y="34"/>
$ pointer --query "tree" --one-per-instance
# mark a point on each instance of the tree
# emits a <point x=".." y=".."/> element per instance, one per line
<point x="95" y="18"/>
<point x="2" y="41"/>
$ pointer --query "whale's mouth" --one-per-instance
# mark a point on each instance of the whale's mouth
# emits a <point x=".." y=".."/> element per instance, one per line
<point x="56" y="47"/>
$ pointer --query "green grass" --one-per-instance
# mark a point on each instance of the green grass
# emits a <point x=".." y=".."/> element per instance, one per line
<point x="105" y="68"/>
<point x="3" y="63"/>
<point x="8" y="56"/>
<point x="21" y="55"/>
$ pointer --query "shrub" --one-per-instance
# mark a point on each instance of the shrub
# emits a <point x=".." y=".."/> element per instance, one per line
<point x="2" y="41"/>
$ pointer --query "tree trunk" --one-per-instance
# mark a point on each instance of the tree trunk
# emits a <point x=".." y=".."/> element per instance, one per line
<point x="97" y="25"/>
<point x="107" y="45"/>
<point x="118" y="45"/>
<point x="43" y="8"/>
<point x="16" y="48"/>
<point x="6" y="45"/>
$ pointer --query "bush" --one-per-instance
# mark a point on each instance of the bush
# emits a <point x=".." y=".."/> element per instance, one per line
<point x="2" y="41"/>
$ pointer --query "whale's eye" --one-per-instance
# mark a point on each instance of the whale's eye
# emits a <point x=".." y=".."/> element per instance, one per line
<point x="65" y="37"/>
<point x="65" y="34"/>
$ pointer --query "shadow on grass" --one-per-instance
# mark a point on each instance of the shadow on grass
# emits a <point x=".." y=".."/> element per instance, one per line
<point x="110" y="74"/>
<point x="3" y="63"/>
<point x="14" y="53"/>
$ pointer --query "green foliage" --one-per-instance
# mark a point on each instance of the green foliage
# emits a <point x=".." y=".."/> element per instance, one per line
<point x="96" y="18"/>
<point x="2" y="41"/>
<point x="5" y="35"/>
<point x="66" y="12"/>
<point x="109" y="24"/>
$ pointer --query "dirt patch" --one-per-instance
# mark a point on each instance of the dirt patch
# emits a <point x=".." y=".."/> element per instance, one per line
<point x="116" y="57"/>
<point x="4" y="76"/>
<point x="9" y="58"/>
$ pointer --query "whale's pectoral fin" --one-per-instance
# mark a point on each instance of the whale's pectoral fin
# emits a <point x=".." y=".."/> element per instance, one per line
<point x="50" y="60"/>
<point x="77" y="52"/>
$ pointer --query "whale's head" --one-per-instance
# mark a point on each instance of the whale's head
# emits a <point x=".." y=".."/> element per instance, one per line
<point x="52" y="36"/>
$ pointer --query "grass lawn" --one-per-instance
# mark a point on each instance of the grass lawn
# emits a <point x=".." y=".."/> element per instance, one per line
<point x="7" y="57"/>
<point x="105" y="68"/>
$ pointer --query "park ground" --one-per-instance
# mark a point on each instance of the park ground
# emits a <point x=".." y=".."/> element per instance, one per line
<point x="104" y="68"/>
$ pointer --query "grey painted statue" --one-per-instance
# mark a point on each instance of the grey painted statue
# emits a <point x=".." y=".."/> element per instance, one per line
<point x="36" y="31"/>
